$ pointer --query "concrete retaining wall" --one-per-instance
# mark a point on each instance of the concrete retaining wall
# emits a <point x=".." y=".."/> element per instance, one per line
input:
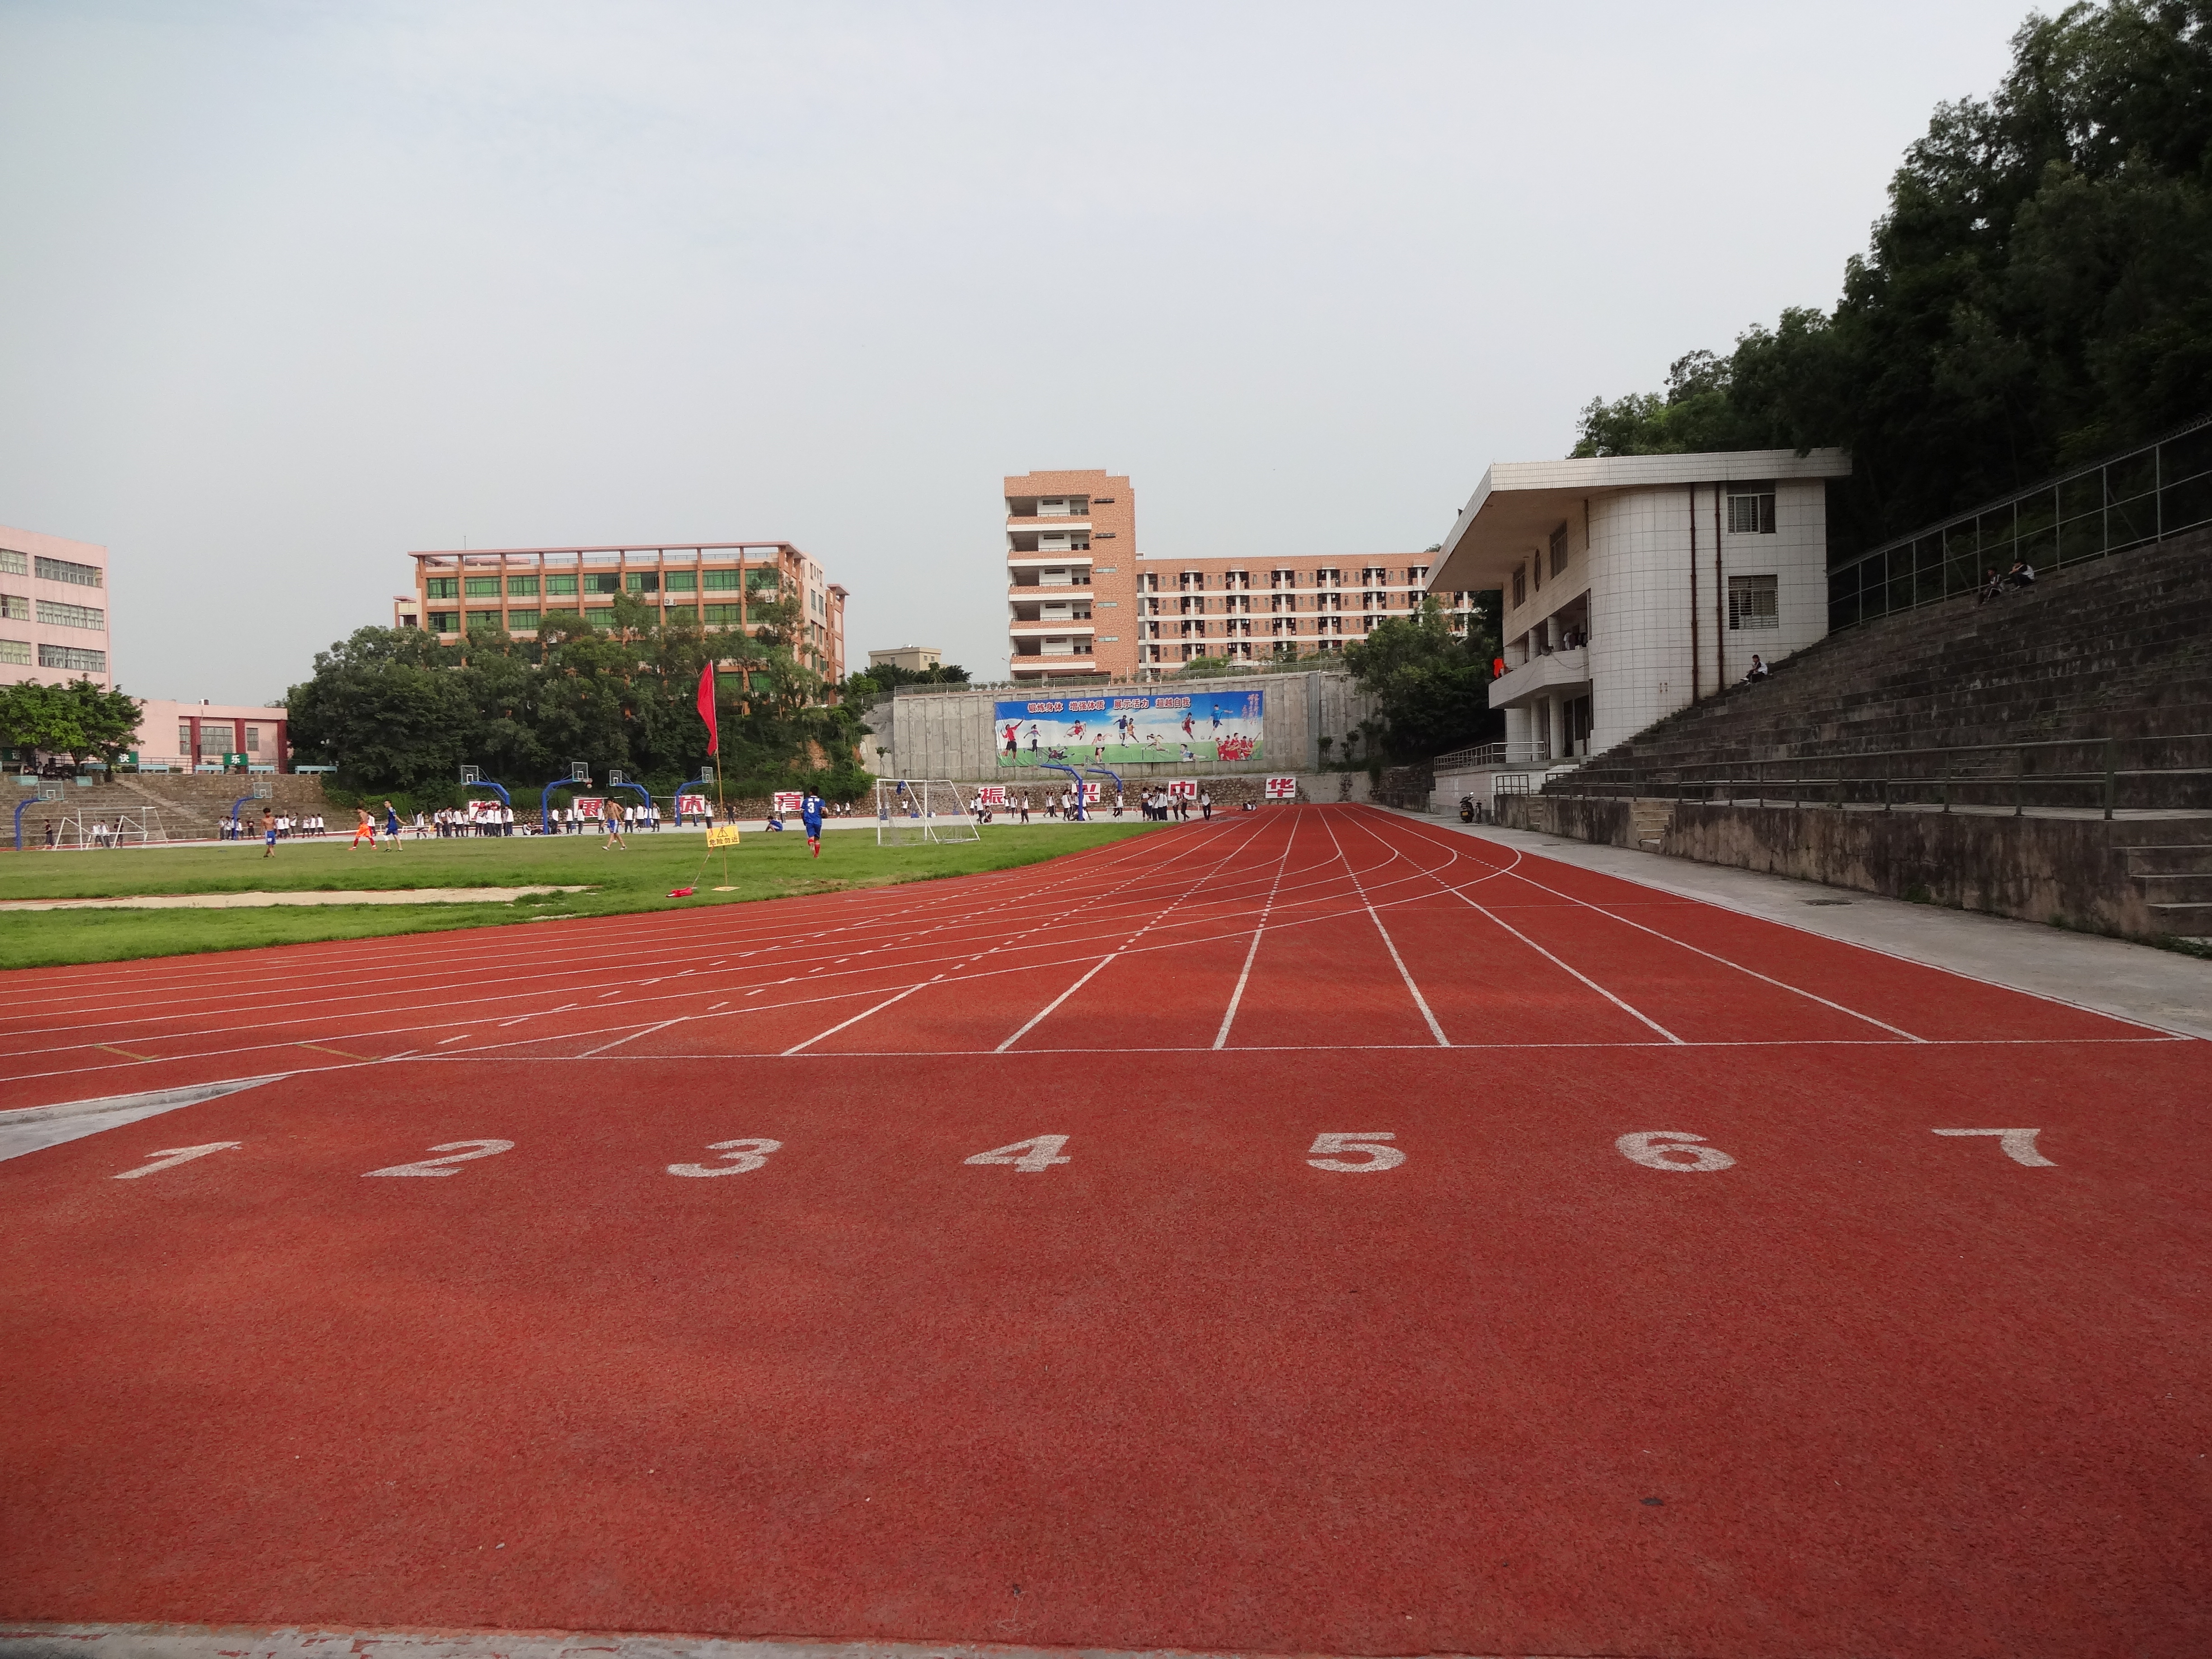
<point x="2071" y="870"/>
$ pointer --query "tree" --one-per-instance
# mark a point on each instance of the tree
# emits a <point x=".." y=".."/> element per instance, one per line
<point x="1431" y="684"/>
<point x="2039" y="292"/>
<point x="79" y="719"/>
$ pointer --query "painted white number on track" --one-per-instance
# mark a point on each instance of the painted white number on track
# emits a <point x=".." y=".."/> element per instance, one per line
<point x="1365" y="1141"/>
<point x="743" y="1155"/>
<point x="1038" y="1154"/>
<point x="429" y="1166"/>
<point x="2019" y="1145"/>
<point x="1652" y="1149"/>
<point x="177" y="1155"/>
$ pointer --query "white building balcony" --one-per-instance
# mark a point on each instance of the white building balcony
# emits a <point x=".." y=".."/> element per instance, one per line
<point x="1566" y="673"/>
<point x="1048" y="592"/>
<point x="1042" y="664"/>
<point x="1058" y="525"/>
<point x="1051" y="627"/>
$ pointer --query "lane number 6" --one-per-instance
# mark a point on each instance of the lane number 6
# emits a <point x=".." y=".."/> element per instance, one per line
<point x="1366" y="1141"/>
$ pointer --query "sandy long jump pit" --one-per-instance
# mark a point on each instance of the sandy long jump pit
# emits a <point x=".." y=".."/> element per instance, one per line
<point x="1312" y="1232"/>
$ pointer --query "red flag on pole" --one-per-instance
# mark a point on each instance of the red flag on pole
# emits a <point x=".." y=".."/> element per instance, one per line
<point x="706" y="708"/>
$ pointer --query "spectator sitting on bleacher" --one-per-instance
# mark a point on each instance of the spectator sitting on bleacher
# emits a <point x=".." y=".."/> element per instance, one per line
<point x="1992" y="587"/>
<point x="2022" y="575"/>
<point x="1757" y="671"/>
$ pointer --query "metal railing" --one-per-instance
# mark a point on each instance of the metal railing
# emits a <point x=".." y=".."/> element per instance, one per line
<point x="1468" y="759"/>
<point x="2127" y="500"/>
<point x="1942" y="777"/>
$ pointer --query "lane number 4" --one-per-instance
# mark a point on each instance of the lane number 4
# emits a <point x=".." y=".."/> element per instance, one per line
<point x="1366" y="1142"/>
<point x="1031" y="1157"/>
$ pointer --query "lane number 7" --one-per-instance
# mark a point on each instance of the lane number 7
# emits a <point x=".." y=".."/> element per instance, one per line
<point x="2019" y="1145"/>
<point x="1366" y="1141"/>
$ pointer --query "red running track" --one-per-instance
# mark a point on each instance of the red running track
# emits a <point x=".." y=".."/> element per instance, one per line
<point x="1858" y="1387"/>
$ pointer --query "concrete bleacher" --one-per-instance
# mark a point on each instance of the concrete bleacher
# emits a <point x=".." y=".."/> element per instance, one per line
<point x="2100" y="679"/>
<point x="188" y="804"/>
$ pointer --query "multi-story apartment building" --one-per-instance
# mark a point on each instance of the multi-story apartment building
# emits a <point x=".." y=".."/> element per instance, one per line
<point x="1081" y="602"/>
<point x="718" y="584"/>
<point x="53" y="610"/>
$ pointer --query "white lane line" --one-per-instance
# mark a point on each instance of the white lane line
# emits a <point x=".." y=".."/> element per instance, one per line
<point x="1038" y="1018"/>
<point x="1244" y="973"/>
<point x="643" y="1031"/>
<point x="796" y="1048"/>
<point x="1389" y="944"/>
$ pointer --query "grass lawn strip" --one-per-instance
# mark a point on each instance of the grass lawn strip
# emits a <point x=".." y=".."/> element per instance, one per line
<point x="764" y="867"/>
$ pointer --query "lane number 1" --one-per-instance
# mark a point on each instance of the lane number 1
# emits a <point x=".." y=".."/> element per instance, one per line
<point x="176" y="1155"/>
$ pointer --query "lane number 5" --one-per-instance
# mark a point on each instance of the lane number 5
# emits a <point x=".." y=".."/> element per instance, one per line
<point x="1368" y="1142"/>
<point x="2019" y="1145"/>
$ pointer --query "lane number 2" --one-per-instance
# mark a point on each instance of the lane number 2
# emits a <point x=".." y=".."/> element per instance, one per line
<point x="1368" y="1142"/>
<point x="740" y="1156"/>
<point x="2019" y="1145"/>
<point x="176" y="1155"/>
<point x="461" y="1154"/>
<point x="1036" y="1154"/>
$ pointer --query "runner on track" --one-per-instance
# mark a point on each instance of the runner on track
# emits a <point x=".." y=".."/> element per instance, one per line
<point x="366" y="827"/>
<point x="810" y="814"/>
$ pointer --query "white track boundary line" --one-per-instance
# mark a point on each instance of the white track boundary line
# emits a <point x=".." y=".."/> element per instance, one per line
<point x="1388" y="943"/>
<point x="1236" y="997"/>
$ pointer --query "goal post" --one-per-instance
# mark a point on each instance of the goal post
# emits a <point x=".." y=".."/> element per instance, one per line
<point x="916" y="811"/>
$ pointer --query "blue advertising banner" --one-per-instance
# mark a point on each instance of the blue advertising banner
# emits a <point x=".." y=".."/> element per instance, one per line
<point x="1171" y="727"/>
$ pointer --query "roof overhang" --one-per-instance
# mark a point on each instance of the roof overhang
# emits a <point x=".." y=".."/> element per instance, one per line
<point x="1519" y="503"/>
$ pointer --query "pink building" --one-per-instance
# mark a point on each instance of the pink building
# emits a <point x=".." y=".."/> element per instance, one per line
<point x="53" y="610"/>
<point x="178" y="737"/>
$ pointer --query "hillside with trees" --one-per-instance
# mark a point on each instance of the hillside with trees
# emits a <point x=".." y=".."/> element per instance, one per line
<point x="2039" y="293"/>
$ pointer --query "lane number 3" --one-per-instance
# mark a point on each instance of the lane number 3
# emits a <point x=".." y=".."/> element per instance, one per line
<point x="1366" y="1142"/>
<point x="739" y="1155"/>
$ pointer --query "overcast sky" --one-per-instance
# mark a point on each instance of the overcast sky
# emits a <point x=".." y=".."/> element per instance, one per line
<point x="291" y="289"/>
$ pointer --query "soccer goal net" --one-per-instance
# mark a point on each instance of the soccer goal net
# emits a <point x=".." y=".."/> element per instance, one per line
<point x="910" y="812"/>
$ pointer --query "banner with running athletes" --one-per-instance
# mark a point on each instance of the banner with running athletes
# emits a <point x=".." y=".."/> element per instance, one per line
<point x="1173" y="727"/>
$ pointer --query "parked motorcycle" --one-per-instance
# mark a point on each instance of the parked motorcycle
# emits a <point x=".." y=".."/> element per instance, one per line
<point x="1466" y="809"/>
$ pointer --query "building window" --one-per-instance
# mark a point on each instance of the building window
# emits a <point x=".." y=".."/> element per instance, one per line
<point x="1520" y="588"/>
<point x="722" y="616"/>
<point x="442" y="587"/>
<point x="488" y="619"/>
<point x="642" y="581"/>
<point x="553" y="585"/>
<point x="480" y="587"/>
<point x="1559" y="551"/>
<point x="16" y="654"/>
<point x="72" y="660"/>
<point x="1754" y="602"/>
<point x="522" y="619"/>
<point x="444" y="622"/>
<point x="63" y="570"/>
<point x="682" y="581"/>
<point x="603" y="581"/>
<point x="13" y="563"/>
<point x="725" y="581"/>
<point x="54" y="614"/>
<point x="522" y="587"/>
<point x="184" y="737"/>
<point x="599" y="615"/>
<point x="252" y="740"/>
<point x="1751" y="510"/>
<point x="14" y="608"/>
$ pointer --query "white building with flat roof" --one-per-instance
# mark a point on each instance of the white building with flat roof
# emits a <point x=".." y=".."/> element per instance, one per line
<point x="53" y="610"/>
<point x="1637" y="585"/>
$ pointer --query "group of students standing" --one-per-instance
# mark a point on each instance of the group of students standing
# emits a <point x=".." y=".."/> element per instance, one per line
<point x="287" y="826"/>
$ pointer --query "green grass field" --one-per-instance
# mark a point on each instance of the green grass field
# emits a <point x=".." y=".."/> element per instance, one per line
<point x="765" y="867"/>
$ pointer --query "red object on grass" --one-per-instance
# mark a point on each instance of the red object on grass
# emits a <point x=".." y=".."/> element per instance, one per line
<point x="706" y="708"/>
<point x="682" y="892"/>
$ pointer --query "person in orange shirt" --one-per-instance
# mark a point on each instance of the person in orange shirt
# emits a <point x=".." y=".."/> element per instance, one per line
<point x="366" y="827"/>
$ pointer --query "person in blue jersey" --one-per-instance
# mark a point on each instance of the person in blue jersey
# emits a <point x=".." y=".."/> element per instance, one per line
<point x="810" y="813"/>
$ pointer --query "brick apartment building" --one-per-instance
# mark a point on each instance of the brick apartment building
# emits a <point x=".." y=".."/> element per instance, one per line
<point x="1082" y="602"/>
<point x="53" y="610"/>
<point x="716" y="584"/>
